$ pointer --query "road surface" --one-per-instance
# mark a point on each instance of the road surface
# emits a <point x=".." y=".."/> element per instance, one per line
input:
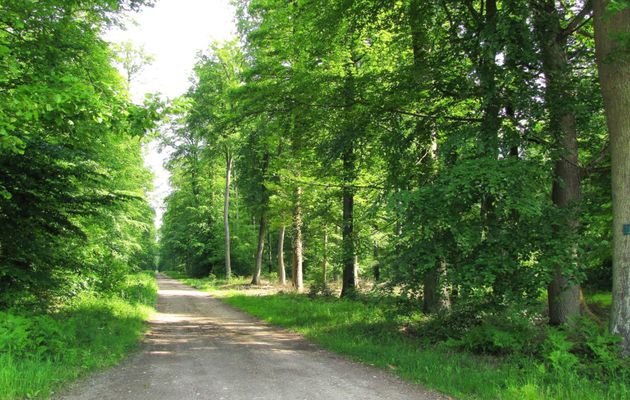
<point x="200" y="348"/>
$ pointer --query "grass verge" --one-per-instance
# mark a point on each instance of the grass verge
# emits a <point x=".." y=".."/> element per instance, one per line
<point x="38" y="353"/>
<point x="365" y="333"/>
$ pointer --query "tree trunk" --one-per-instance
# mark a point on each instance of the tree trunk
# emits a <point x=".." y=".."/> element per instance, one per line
<point x="348" y="252"/>
<point x="491" y="101"/>
<point x="376" y="269"/>
<point x="236" y="208"/>
<point x="435" y="296"/>
<point x="269" y="252"/>
<point x="260" y="251"/>
<point x="563" y="291"/>
<point x="226" y="220"/>
<point x="297" y="259"/>
<point x="262" y="229"/>
<point x="282" y="274"/>
<point x="325" y="261"/>
<point x="350" y="270"/>
<point x="419" y="17"/>
<point x="614" y="76"/>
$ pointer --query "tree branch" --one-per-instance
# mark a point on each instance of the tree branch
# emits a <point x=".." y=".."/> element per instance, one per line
<point x="580" y="20"/>
<point x="592" y="166"/>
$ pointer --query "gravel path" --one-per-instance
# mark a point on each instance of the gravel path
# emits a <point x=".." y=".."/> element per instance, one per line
<point x="201" y="348"/>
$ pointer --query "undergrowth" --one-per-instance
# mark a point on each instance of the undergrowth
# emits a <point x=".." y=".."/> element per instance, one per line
<point x="505" y="354"/>
<point x="490" y="362"/>
<point x="39" y="352"/>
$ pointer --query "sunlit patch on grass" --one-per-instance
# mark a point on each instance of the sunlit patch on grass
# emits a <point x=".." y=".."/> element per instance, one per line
<point x="89" y="333"/>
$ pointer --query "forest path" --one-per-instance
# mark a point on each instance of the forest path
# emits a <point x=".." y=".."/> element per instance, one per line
<point x="200" y="348"/>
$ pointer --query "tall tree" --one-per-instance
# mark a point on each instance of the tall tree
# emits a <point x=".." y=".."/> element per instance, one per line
<point x="612" y="36"/>
<point x="564" y="289"/>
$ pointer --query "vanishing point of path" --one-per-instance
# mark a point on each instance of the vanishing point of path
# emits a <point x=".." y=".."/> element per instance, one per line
<point x="200" y="348"/>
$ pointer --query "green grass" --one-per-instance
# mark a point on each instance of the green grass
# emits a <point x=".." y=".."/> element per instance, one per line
<point x="602" y="299"/>
<point x="363" y="332"/>
<point x="39" y="353"/>
<point x="211" y="284"/>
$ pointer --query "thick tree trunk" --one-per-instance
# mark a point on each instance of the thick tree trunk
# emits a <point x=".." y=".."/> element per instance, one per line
<point x="226" y="219"/>
<point x="614" y="76"/>
<point x="376" y="269"/>
<point x="260" y="251"/>
<point x="282" y="274"/>
<point x="297" y="259"/>
<point x="436" y="296"/>
<point x="563" y="291"/>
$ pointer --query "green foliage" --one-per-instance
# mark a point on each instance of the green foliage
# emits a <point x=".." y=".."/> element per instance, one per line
<point x="557" y="352"/>
<point x="362" y="331"/>
<point x="319" y="288"/>
<point x="500" y="335"/>
<point x="588" y="349"/>
<point x="501" y="262"/>
<point x="73" y="211"/>
<point x="38" y="352"/>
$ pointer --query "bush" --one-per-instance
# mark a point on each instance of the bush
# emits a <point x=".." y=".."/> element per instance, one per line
<point x="39" y="351"/>
<point x="451" y="324"/>
<point x="14" y="333"/>
<point x="504" y="333"/>
<point x="319" y="288"/>
<point x="587" y="348"/>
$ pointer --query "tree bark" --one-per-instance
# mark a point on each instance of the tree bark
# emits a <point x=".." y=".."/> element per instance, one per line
<point x="350" y="270"/>
<point x="235" y="186"/>
<point x="282" y="274"/>
<point x="325" y="261"/>
<point x="262" y="229"/>
<point x="226" y="220"/>
<point x="376" y="269"/>
<point x="419" y="19"/>
<point x="491" y="102"/>
<point x="563" y="291"/>
<point x="614" y="76"/>
<point x="260" y="251"/>
<point x="297" y="259"/>
<point x="348" y="251"/>
<point x="435" y="297"/>
<point x="269" y="252"/>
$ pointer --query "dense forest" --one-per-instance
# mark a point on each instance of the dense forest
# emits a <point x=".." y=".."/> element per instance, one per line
<point x="74" y="217"/>
<point x="453" y="153"/>
<point x="466" y="161"/>
<point x="73" y="207"/>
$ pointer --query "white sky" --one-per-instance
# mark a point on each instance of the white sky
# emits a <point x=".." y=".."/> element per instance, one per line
<point x="173" y="31"/>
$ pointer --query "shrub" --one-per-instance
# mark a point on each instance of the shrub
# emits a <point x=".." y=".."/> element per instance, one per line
<point x="586" y="348"/>
<point x="319" y="288"/>
<point x="86" y="333"/>
<point x="501" y="334"/>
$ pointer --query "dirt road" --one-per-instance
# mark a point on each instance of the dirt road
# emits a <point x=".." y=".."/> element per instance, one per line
<point x="201" y="348"/>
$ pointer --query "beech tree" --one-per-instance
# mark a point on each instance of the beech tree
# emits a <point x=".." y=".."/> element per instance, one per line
<point x="456" y="151"/>
<point x="612" y="35"/>
<point x="74" y="213"/>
